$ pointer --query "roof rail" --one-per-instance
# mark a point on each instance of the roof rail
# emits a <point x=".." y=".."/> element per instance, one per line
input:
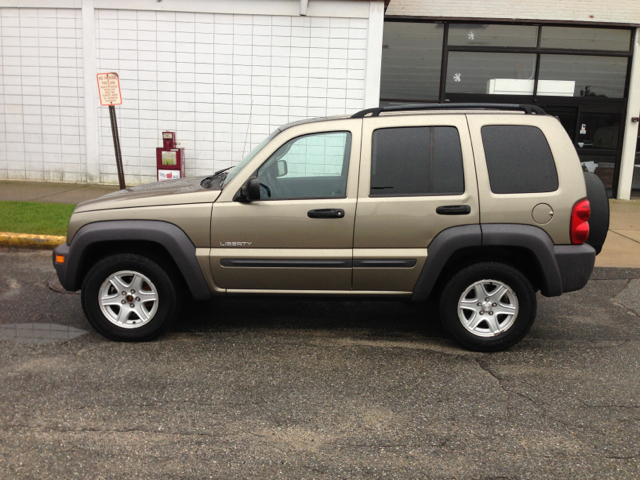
<point x="528" y="109"/>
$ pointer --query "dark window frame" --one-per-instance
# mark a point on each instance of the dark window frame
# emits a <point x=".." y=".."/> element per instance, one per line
<point x="396" y="195"/>
<point x="537" y="50"/>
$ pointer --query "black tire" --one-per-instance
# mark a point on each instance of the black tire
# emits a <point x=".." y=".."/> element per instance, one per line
<point x="167" y="294"/>
<point x="599" y="220"/>
<point x="525" y="302"/>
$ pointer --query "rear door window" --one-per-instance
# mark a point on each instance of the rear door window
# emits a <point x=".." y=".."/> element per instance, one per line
<point x="416" y="161"/>
<point x="519" y="159"/>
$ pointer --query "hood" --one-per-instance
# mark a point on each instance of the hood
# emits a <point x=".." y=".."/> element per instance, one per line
<point x="169" y="192"/>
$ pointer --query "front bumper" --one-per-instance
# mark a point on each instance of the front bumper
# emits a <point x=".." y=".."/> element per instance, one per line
<point x="575" y="263"/>
<point x="61" y="268"/>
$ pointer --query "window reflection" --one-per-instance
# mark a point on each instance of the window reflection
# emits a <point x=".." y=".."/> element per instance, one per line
<point x="411" y="59"/>
<point x="585" y="38"/>
<point x="493" y="73"/>
<point x="599" y="130"/>
<point x="493" y="35"/>
<point x="590" y="76"/>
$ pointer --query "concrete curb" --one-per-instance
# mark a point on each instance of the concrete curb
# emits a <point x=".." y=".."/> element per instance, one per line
<point x="26" y="240"/>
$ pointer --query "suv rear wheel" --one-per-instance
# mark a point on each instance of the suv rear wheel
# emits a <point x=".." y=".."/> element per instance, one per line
<point x="488" y="306"/>
<point x="128" y="297"/>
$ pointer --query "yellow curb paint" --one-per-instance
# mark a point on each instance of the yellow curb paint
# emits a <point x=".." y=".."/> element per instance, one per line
<point x="26" y="240"/>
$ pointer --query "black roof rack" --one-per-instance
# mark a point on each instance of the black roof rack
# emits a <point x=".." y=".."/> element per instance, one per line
<point x="527" y="109"/>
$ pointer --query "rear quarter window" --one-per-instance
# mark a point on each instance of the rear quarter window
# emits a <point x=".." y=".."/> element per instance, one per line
<point x="519" y="159"/>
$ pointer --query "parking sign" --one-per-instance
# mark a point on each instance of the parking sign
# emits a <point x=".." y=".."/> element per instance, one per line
<point x="109" y="87"/>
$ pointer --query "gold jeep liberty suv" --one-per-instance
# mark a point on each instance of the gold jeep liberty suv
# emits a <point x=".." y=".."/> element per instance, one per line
<point x="479" y="205"/>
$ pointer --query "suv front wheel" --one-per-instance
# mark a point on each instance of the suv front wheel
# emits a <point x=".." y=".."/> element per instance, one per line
<point x="488" y="306"/>
<point x="129" y="297"/>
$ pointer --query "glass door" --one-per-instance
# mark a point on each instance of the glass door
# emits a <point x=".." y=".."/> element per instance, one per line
<point x="598" y="140"/>
<point x="568" y="116"/>
<point x="596" y="134"/>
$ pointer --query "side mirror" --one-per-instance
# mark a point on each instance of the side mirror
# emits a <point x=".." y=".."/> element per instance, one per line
<point x="282" y="168"/>
<point x="250" y="190"/>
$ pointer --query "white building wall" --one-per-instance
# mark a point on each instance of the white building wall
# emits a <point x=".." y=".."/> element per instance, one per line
<point x="600" y="11"/>
<point x="41" y="95"/>
<point x="222" y="79"/>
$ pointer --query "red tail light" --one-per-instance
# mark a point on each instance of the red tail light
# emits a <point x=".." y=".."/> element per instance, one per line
<point x="580" y="222"/>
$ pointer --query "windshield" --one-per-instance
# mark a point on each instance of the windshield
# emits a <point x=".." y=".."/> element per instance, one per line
<point x="233" y="172"/>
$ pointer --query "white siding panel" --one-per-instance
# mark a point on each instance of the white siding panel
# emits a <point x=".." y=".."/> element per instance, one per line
<point x="41" y="95"/>
<point x="221" y="81"/>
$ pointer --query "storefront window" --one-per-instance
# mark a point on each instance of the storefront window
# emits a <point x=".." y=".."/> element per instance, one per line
<point x="599" y="131"/>
<point x="586" y="75"/>
<point x="411" y="59"/>
<point x="576" y="73"/>
<point x="579" y="38"/>
<point x="475" y="35"/>
<point x="493" y="73"/>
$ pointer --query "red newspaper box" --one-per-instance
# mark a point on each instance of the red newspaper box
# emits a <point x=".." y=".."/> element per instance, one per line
<point x="170" y="160"/>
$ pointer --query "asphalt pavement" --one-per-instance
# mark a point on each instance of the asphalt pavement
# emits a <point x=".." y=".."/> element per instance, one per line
<point x="316" y="389"/>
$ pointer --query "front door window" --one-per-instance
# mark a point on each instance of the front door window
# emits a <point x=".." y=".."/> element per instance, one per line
<point x="310" y="166"/>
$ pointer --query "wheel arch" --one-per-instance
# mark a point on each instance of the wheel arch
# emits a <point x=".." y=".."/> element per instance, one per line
<point x="528" y="248"/>
<point x="162" y="241"/>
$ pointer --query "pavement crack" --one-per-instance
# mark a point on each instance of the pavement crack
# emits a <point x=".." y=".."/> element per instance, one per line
<point x="618" y="304"/>
<point x="609" y="405"/>
<point x="628" y="238"/>
<point x="621" y="457"/>
<point x="115" y="430"/>
<point x="438" y="444"/>
<point x="498" y="380"/>
<point x="57" y="193"/>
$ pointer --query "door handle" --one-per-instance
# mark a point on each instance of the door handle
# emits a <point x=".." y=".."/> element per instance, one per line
<point x="454" y="210"/>
<point x="326" y="213"/>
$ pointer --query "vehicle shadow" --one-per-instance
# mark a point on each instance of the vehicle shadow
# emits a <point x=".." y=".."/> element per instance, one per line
<point x="368" y="317"/>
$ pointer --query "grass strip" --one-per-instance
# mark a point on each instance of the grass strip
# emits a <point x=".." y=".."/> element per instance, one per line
<point x="36" y="218"/>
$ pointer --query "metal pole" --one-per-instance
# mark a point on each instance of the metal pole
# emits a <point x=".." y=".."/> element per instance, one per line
<point x="116" y="146"/>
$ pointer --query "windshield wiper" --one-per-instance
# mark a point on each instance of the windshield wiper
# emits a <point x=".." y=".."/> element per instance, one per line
<point x="206" y="182"/>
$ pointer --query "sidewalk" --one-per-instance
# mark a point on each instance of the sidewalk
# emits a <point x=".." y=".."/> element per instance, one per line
<point x="622" y="246"/>
<point x="621" y="249"/>
<point x="51" y="192"/>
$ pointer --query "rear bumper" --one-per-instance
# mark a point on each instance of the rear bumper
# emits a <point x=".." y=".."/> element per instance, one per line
<point x="575" y="263"/>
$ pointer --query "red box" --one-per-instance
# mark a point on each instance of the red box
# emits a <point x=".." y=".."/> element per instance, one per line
<point x="168" y="140"/>
<point x="170" y="163"/>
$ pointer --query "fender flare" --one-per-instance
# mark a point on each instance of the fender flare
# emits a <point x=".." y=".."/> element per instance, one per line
<point x="445" y="244"/>
<point x="172" y="238"/>
<point x="451" y="240"/>
<point x="538" y="242"/>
